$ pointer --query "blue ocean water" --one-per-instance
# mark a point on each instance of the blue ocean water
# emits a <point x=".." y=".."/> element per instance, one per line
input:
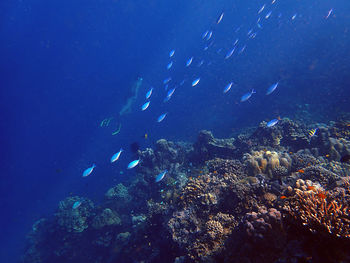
<point x="67" y="66"/>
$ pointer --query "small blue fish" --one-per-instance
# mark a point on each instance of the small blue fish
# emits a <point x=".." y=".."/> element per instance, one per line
<point x="272" y="123"/>
<point x="294" y="16"/>
<point x="133" y="164"/>
<point x="236" y="42"/>
<point x="329" y="13"/>
<point x="230" y="52"/>
<point x="149" y="93"/>
<point x="169" y="65"/>
<point x="247" y="96"/>
<point x="76" y="204"/>
<point x="272" y="88"/>
<point x="189" y="61"/>
<point x="252" y="35"/>
<point x="268" y="15"/>
<point x="195" y="82"/>
<point x="182" y="82"/>
<point x="204" y="35"/>
<point x="116" y="156"/>
<point x="242" y="49"/>
<point x="200" y="63"/>
<point x="89" y="170"/>
<point x="258" y="24"/>
<point x="161" y="117"/>
<point x="220" y="18"/>
<point x="167" y="80"/>
<point x="161" y="176"/>
<point x="170" y="93"/>
<point x="171" y="53"/>
<point x="261" y="9"/>
<point x="228" y="87"/>
<point x="145" y="106"/>
<point x="209" y="35"/>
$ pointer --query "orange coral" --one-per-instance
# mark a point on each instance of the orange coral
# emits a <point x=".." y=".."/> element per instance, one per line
<point x="321" y="212"/>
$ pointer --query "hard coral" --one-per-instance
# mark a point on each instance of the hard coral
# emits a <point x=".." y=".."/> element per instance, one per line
<point x="325" y="213"/>
<point x="259" y="225"/>
<point x="118" y="192"/>
<point x="268" y="162"/>
<point x="74" y="220"/>
<point x="202" y="239"/>
<point x="107" y="218"/>
<point x="207" y="147"/>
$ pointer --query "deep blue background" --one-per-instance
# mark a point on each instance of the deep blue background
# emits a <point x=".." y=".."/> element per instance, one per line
<point x="67" y="65"/>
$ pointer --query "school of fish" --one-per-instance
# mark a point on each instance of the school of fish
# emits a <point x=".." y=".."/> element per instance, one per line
<point x="264" y="12"/>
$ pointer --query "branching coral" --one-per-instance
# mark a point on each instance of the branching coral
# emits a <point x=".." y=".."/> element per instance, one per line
<point x="320" y="211"/>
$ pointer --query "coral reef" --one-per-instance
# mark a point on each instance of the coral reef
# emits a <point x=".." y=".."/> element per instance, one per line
<point x="119" y="192"/>
<point x="74" y="220"/>
<point x="287" y="133"/>
<point x="106" y="218"/>
<point x="207" y="147"/>
<point x="270" y="194"/>
<point x="271" y="163"/>
<point x="323" y="212"/>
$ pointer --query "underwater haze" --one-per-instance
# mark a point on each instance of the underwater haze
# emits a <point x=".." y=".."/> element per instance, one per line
<point x="75" y="77"/>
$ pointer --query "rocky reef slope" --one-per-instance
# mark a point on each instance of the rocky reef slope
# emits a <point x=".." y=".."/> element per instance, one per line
<point x="270" y="195"/>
